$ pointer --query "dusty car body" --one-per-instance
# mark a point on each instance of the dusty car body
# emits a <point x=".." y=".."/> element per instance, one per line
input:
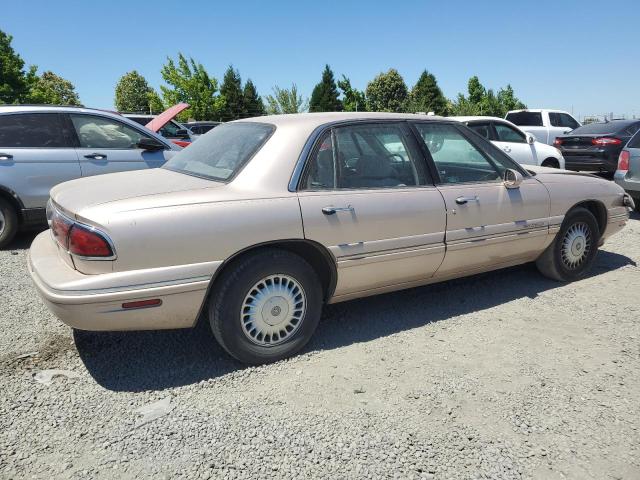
<point x="262" y="221"/>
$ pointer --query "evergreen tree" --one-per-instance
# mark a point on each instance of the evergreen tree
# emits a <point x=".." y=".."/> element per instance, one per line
<point x="324" y="97"/>
<point x="231" y="90"/>
<point x="426" y="96"/>
<point x="133" y="93"/>
<point x="353" y="100"/>
<point x="253" y="106"/>
<point x="387" y="92"/>
<point x="285" y="100"/>
<point x="14" y="81"/>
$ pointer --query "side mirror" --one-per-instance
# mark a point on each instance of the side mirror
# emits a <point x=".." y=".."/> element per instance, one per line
<point x="150" y="144"/>
<point x="183" y="133"/>
<point x="512" y="178"/>
<point x="530" y="139"/>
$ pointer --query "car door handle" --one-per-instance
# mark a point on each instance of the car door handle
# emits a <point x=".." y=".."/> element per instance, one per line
<point x="96" y="156"/>
<point x="506" y="149"/>
<point x="332" y="210"/>
<point x="5" y="156"/>
<point x="463" y="200"/>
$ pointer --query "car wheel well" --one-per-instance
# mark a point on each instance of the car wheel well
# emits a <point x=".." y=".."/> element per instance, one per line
<point x="11" y="200"/>
<point x="315" y="254"/>
<point x="598" y="210"/>
<point x="550" y="162"/>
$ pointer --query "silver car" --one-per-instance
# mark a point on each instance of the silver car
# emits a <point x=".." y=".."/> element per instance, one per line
<point x="262" y="221"/>
<point x="628" y="173"/>
<point x="41" y="146"/>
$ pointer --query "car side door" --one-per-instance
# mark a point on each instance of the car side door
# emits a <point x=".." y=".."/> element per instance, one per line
<point x="488" y="225"/>
<point x="106" y="145"/>
<point x="36" y="153"/>
<point x="514" y="143"/>
<point x="367" y="196"/>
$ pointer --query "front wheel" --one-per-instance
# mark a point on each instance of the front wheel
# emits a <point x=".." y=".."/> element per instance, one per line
<point x="266" y="306"/>
<point x="572" y="253"/>
<point x="8" y="223"/>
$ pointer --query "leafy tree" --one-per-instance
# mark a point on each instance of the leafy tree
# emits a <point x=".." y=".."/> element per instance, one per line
<point x="426" y="96"/>
<point x="253" y="106"/>
<point x="132" y="93"/>
<point x="481" y="101"/>
<point x="476" y="90"/>
<point x="51" y="89"/>
<point x="324" y="97"/>
<point x="189" y="82"/>
<point x="14" y="81"/>
<point x="155" y="102"/>
<point x="387" y="92"/>
<point x="231" y="90"/>
<point x="285" y="101"/>
<point x="508" y="100"/>
<point x="353" y="100"/>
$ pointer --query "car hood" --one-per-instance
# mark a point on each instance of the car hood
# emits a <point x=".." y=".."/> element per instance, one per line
<point x="165" y="117"/>
<point x="76" y="196"/>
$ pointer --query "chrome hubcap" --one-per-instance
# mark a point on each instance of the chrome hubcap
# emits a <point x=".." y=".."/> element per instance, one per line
<point x="273" y="310"/>
<point x="576" y="245"/>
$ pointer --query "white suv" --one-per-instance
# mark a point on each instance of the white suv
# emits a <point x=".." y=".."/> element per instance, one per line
<point x="519" y="145"/>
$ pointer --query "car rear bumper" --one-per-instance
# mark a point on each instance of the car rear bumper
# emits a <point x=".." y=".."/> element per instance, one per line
<point x="75" y="300"/>
<point x="630" y="185"/>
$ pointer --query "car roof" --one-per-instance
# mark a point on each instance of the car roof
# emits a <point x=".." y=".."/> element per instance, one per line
<point x="311" y="120"/>
<point x="52" y="108"/>
<point x="538" y="110"/>
<point x="477" y="118"/>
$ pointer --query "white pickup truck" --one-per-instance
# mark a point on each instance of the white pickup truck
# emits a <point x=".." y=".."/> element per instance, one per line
<point x="545" y="125"/>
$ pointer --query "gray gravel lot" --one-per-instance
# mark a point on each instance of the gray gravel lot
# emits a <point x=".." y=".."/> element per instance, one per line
<point x="503" y="375"/>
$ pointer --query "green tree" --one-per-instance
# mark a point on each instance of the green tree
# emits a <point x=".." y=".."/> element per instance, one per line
<point x="426" y="96"/>
<point x="508" y="100"/>
<point x="52" y="89"/>
<point x="387" y="92"/>
<point x="253" y="105"/>
<point x="155" y="102"/>
<point x="353" y="100"/>
<point x="285" y="101"/>
<point x="476" y="90"/>
<point x="231" y="90"/>
<point x="14" y="81"/>
<point x="482" y="101"/>
<point x="324" y="97"/>
<point x="189" y="82"/>
<point x="132" y="93"/>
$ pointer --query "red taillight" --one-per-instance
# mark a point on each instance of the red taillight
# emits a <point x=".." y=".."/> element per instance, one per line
<point x="623" y="161"/>
<point x="557" y="142"/>
<point x="604" y="141"/>
<point x="88" y="243"/>
<point x="60" y="227"/>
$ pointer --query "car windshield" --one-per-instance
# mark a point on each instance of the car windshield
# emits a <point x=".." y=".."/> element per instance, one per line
<point x="222" y="152"/>
<point x="600" y="128"/>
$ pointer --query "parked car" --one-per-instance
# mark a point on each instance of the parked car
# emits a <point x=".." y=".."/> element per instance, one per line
<point x="165" y="125"/>
<point x="262" y="221"/>
<point x="200" y="128"/>
<point x="41" y="146"/>
<point x="596" y="146"/>
<point x="628" y="172"/>
<point x="545" y="125"/>
<point x="519" y="145"/>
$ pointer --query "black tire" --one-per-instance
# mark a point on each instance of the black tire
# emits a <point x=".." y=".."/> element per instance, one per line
<point x="636" y="200"/>
<point x="551" y="163"/>
<point x="554" y="264"/>
<point x="227" y="303"/>
<point x="8" y="223"/>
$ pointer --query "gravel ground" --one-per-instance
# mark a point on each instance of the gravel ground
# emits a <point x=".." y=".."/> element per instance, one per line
<point x="503" y="375"/>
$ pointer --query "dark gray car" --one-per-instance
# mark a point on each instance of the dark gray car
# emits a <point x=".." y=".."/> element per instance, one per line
<point x="628" y="173"/>
<point x="42" y="146"/>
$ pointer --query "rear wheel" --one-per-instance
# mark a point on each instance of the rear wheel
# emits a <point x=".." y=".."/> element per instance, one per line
<point x="266" y="306"/>
<point x="8" y="223"/>
<point x="574" y="249"/>
<point x="551" y="163"/>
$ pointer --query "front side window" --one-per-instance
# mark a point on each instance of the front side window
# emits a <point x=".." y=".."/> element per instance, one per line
<point x="568" y="121"/>
<point x="100" y="132"/>
<point x="456" y="158"/>
<point x="482" y="129"/>
<point x="33" y="130"/>
<point x="509" y="134"/>
<point x="529" y="119"/>
<point x="222" y="153"/>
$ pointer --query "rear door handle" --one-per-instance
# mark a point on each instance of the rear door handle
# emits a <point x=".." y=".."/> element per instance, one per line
<point x="96" y="156"/>
<point x="463" y="200"/>
<point x="5" y="156"/>
<point x="333" y="210"/>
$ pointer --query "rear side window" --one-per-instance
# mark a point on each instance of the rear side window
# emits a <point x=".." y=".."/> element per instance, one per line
<point x="635" y="141"/>
<point x="33" y="130"/>
<point x="530" y="119"/>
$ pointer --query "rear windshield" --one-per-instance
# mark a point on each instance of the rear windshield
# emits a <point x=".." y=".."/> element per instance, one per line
<point x="530" y="119"/>
<point x="600" y="128"/>
<point x="222" y="152"/>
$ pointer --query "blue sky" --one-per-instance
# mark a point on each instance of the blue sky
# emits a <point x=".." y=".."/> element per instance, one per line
<point x="574" y="55"/>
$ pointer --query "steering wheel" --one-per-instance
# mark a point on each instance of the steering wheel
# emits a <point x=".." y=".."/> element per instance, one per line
<point x="434" y="143"/>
